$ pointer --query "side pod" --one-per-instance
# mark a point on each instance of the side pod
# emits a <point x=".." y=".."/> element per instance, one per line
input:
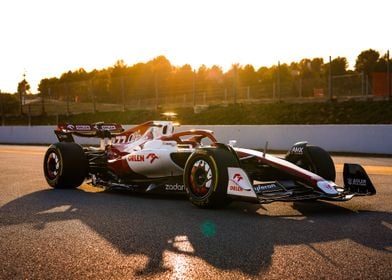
<point x="356" y="181"/>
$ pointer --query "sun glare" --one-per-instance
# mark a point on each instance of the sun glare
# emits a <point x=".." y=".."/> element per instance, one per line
<point x="47" y="38"/>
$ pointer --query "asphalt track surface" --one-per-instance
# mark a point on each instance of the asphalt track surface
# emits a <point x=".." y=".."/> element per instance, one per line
<point x="90" y="234"/>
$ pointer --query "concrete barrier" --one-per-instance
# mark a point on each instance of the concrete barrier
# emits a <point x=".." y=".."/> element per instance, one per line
<point x="375" y="139"/>
<point x="335" y="138"/>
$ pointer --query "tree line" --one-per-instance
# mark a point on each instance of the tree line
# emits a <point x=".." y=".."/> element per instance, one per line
<point x="158" y="78"/>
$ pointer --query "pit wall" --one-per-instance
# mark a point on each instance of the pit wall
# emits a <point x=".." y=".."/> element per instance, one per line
<point x="372" y="139"/>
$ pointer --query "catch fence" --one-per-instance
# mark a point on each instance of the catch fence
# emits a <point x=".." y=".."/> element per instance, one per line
<point x="119" y="94"/>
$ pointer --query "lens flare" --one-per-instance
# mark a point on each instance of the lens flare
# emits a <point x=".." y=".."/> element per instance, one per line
<point x="208" y="229"/>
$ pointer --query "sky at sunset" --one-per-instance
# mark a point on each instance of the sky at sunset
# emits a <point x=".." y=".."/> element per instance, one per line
<point x="45" y="38"/>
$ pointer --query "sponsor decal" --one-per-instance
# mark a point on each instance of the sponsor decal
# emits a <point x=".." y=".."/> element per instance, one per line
<point x="83" y="127"/>
<point x="131" y="138"/>
<point x="176" y="187"/>
<point x="236" y="188"/>
<point x="237" y="177"/>
<point x="202" y="152"/>
<point x="120" y="139"/>
<point x="141" y="158"/>
<point x="136" y="158"/>
<point x="356" y="182"/>
<point x="238" y="183"/>
<point x="297" y="150"/>
<point x="152" y="157"/>
<point x="263" y="188"/>
<point x="169" y="143"/>
<point x="70" y="127"/>
<point x="108" y="127"/>
<point x="327" y="187"/>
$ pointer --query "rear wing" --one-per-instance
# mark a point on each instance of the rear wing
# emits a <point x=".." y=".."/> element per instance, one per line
<point x="65" y="132"/>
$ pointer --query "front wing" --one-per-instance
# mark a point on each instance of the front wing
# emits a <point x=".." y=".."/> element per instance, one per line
<point x="300" y="185"/>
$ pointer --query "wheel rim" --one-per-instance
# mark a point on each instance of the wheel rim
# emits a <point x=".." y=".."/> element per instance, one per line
<point x="201" y="178"/>
<point x="52" y="165"/>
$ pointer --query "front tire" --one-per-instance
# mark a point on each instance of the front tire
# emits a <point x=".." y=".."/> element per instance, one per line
<point x="65" y="165"/>
<point x="206" y="176"/>
<point x="318" y="161"/>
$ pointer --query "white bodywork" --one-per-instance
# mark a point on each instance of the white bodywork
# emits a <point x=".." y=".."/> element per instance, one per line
<point x="149" y="155"/>
<point x="239" y="183"/>
<point x="154" y="160"/>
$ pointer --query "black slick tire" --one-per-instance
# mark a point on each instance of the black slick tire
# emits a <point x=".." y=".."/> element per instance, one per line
<point x="318" y="161"/>
<point x="65" y="165"/>
<point x="206" y="176"/>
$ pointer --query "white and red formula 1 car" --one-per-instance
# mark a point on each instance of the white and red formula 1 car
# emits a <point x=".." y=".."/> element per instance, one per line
<point x="151" y="157"/>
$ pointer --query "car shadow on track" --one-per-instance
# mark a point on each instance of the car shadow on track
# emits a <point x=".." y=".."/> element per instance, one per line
<point x="235" y="238"/>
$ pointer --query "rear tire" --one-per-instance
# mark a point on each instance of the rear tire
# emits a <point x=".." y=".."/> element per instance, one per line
<point x="65" y="165"/>
<point x="206" y="176"/>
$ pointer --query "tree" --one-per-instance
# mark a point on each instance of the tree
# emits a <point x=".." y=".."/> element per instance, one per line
<point x="100" y="84"/>
<point x="338" y="66"/>
<point x="214" y="81"/>
<point x="248" y="75"/>
<point x="265" y="75"/>
<point x="119" y="68"/>
<point x="316" y="66"/>
<point x="159" y="79"/>
<point x="181" y="80"/>
<point x="23" y="87"/>
<point x="49" y="87"/>
<point x="117" y="81"/>
<point x="161" y="67"/>
<point x="305" y="68"/>
<point x="160" y="70"/>
<point x="9" y="103"/>
<point x="382" y="64"/>
<point x="215" y="74"/>
<point x="366" y="61"/>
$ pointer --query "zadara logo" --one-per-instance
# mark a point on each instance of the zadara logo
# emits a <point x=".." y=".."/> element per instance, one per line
<point x="152" y="157"/>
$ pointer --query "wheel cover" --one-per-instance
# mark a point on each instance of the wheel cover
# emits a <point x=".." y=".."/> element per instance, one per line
<point x="52" y="165"/>
<point x="201" y="178"/>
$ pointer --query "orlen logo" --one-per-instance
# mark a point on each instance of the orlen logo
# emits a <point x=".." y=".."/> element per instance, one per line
<point x="140" y="158"/>
<point x="152" y="157"/>
<point x="136" y="158"/>
<point x="237" y="177"/>
<point x="236" y="188"/>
